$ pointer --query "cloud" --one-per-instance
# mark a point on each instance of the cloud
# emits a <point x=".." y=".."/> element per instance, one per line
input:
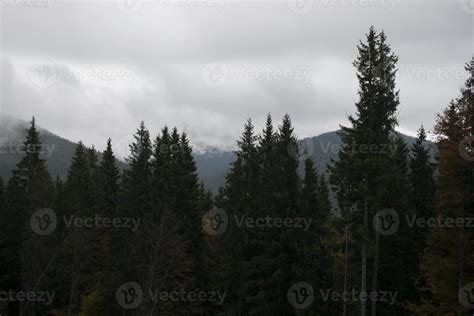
<point x="91" y="71"/>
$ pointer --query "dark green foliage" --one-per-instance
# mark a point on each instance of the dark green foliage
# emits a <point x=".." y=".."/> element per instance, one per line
<point x="364" y="171"/>
<point x="109" y="183"/>
<point x="25" y="253"/>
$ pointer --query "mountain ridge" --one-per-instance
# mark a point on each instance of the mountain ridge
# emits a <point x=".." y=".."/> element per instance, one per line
<point x="212" y="166"/>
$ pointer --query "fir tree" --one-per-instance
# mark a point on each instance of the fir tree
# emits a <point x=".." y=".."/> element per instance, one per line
<point x="29" y="189"/>
<point x="359" y="173"/>
<point x="110" y="178"/>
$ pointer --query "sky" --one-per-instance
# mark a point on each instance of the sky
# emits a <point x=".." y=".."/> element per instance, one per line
<point x="89" y="70"/>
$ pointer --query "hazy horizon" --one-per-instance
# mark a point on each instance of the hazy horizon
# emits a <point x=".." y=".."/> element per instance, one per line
<point x="206" y="68"/>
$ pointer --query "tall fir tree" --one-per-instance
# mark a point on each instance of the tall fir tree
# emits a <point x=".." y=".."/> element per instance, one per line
<point x="359" y="174"/>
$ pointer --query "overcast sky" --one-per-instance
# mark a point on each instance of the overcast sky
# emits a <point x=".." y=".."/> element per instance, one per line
<point x="89" y="71"/>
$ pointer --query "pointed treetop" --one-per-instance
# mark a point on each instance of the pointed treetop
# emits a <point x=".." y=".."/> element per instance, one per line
<point x="422" y="133"/>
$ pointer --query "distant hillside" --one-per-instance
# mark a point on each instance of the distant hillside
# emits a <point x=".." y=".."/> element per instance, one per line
<point x="212" y="166"/>
<point x="321" y="148"/>
<point x="57" y="151"/>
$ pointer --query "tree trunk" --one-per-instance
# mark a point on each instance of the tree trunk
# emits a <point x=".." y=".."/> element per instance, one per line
<point x="461" y="259"/>
<point x="363" y="303"/>
<point x="375" y="272"/>
<point x="344" y="308"/>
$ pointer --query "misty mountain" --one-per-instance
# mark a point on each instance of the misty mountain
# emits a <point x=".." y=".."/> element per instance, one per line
<point x="212" y="165"/>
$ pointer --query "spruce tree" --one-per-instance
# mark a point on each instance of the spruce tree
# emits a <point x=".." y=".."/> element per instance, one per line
<point x="287" y="197"/>
<point x="240" y="200"/>
<point x="422" y="176"/>
<point x="316" y="262"/>
<point x="79" y="262"/>
<point x="359" y="172"/>
<point x="137" y="202"/>
<point x="110" y="180"/>
<point x="29" y="189"/>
